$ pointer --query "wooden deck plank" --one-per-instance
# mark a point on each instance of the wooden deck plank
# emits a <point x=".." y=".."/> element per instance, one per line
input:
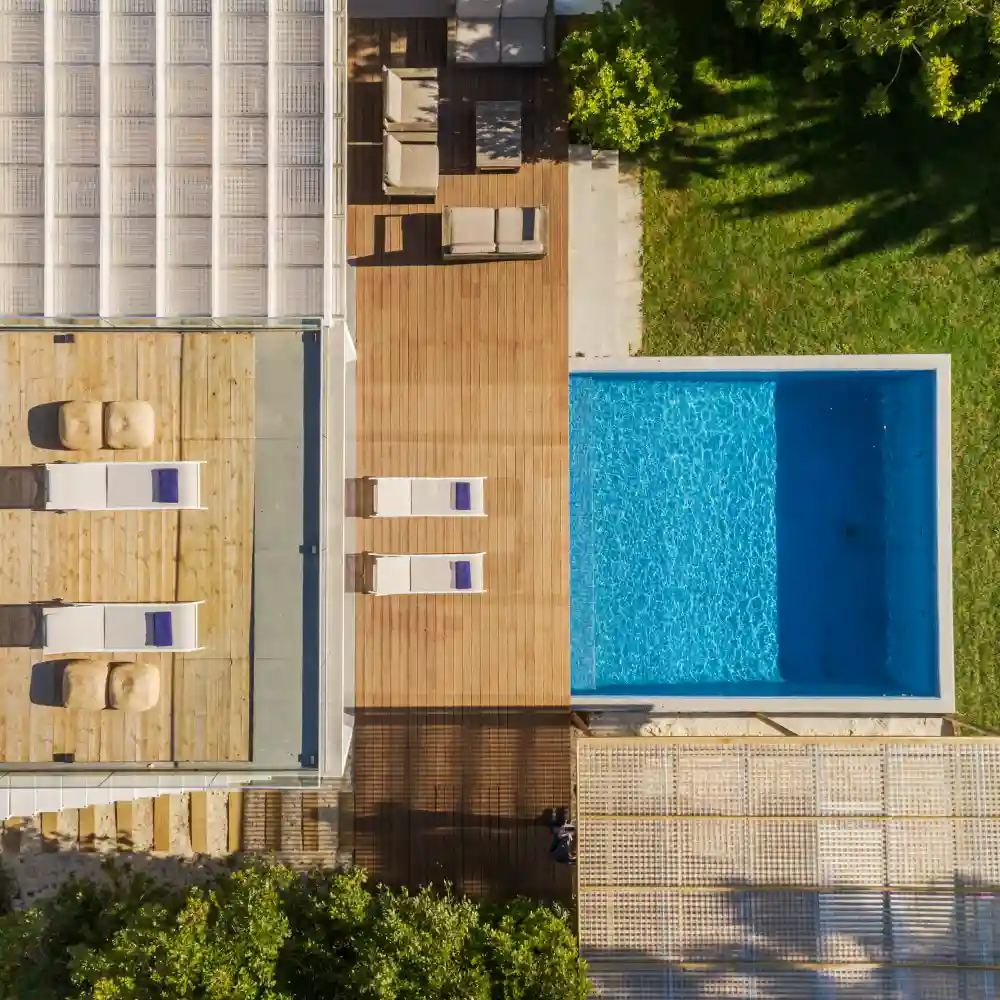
<point x="201" y="388"/>
<point x="162" y="806"/>
<point x="124" y="824"/>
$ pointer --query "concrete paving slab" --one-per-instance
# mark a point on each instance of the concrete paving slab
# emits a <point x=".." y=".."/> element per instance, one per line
<point x="278" y="496"/>
<point x="280" y="715"/>
<point x="630" y="257"/>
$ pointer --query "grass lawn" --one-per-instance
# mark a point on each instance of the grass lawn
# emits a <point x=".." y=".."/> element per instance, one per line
<point x="782" y="224"/>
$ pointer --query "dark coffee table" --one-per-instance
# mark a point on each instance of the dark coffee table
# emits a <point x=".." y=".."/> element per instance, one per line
<point x="498" y="135"/>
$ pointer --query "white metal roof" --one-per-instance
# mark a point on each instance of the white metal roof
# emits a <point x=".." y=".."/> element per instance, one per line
<point x="172" y="158"/>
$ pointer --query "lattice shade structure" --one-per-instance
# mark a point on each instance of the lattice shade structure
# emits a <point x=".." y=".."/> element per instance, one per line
<point x="790" y="868"/>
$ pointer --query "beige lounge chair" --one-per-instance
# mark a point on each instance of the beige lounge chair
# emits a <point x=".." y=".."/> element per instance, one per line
<point x="426" y="496"/>
<point x="471" y="233"/>
<point x="120" y="628"/>
<point x="84" y="425"/>
<point x="410" y="100"/>
<point x="93" y="685"/>
<point x="410" y="164"/>
<point x="123" y="486"/>
<point x="387" y="575"/>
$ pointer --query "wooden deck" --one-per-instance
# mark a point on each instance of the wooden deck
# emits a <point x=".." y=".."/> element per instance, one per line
<point x="201" y="387"/>
<point x="463" y="370"/>
<point x="462" y="733"/>
<point x="462" y="797"/>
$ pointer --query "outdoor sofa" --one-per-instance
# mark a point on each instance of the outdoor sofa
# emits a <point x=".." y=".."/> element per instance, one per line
<point x="471" y="233"/>
<point x="502" y="33"/>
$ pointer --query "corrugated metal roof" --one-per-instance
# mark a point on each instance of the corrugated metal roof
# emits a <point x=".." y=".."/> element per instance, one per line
<point x="172" y="158"/>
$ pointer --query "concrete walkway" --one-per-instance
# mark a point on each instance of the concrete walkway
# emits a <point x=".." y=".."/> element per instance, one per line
<point x="605" y="239"/>
<point x="285" y="588"/>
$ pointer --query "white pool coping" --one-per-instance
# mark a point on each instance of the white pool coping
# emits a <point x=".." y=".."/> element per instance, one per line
<point x="940" y="365"/>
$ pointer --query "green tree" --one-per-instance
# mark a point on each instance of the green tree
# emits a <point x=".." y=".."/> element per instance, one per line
<point x="621" y="76"/>
<point x="267" y="933"/>
<point x="948" y="50"/>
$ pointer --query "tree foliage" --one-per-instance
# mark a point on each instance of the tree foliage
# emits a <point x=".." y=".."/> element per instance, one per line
<point x="949" y="50"/>
<point x="621" y="76"/>
<point x="267" y="933"/>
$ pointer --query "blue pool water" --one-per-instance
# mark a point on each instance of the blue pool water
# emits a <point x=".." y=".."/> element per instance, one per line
<point x="753" y="534"/>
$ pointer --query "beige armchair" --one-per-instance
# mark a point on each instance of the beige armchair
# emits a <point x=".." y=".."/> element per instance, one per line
<point x="410" y="164"/>
<point x="410" y="100"/>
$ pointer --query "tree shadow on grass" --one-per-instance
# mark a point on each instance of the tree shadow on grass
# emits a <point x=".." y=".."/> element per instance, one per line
<point x="914" y="182"/>
<point x="907" y="181"/>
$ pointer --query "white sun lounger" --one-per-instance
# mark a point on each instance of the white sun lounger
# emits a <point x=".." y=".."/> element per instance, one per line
<point x="120" y="628"/>
<point x="426" y="496"/>
<point x="433" y="574"/>
<point x="123" y="486"/>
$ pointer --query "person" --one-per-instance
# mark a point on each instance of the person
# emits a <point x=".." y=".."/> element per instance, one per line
<point x="563" y="834"/>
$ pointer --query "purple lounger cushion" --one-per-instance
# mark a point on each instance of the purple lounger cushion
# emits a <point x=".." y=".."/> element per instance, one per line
<point x="159" y="628"/>
<point x="463" y="575"/>
<point x="463" y="496"/>
<point x="165" y="486"/>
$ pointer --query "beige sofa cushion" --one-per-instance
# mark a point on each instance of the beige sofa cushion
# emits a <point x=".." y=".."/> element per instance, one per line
<point x="85" y="685"/>
<point x="522" y="40"/>
<point x="134" y="687"/>
<point x="129" y="424"/>
<point x="420" y="102"/>
<point x="471" y="229"/>
<point x="477" y="41"/>
<point x="411" y="164"/>
<point x="80" y="425"/>
<point x="410" y="100"/>
<point x="520" y="230"/>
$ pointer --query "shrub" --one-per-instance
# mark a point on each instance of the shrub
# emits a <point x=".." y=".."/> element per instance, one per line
<point x="621" y="76"/>
<point x="948" y="52"/>
<point x="267" y="933"/>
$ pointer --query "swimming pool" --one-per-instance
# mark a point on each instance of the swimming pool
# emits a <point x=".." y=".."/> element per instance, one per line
<point x="744" y="533"/>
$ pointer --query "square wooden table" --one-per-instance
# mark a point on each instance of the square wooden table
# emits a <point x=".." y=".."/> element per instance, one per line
<point x="498" y="135"/>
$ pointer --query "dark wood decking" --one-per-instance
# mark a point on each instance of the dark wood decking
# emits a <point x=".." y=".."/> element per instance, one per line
<point x="461" y="797"/>
<point x="462" y="735"/>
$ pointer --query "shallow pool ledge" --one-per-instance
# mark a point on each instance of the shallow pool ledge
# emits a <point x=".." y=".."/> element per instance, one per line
<point x="944" y="701"/>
